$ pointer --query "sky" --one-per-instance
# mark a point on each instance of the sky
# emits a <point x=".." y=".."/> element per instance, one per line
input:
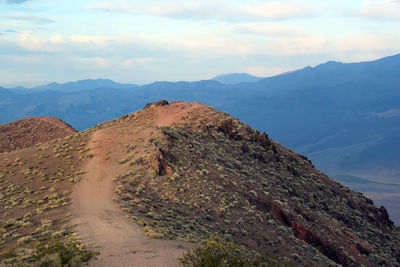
<point x="133" y="41"/>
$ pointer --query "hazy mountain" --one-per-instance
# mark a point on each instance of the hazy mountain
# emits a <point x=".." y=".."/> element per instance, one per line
<point x="236" y="78"/>
<point x="364" y="185"/>
<point x="81" y="85"/>
<point x="344" y="116"/>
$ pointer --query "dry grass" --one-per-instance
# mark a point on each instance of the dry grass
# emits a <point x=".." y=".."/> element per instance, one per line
<point x="35" y="186"/>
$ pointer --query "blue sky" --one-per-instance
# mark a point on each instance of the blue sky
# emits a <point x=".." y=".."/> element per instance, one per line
<point x="143" y="41"/>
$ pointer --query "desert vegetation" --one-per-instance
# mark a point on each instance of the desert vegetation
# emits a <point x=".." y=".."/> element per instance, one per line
<point x="35" y="188"/>
<point x="216" y="253"/>
<point x="210" y="175"/>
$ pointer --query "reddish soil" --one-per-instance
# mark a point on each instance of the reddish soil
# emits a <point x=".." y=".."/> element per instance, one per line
<point x="170" y="114"/>
<point x="31" y="131"/>
<point x="101" y="222"/>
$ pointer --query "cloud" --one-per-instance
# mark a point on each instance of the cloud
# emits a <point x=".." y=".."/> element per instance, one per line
<point x="32" y="42"/>
<point x="56" y="39"/>
<point x="388" y="114"/>
<point x="371" y="43"/>
<point x="221" y="10"/>
<point x="265" y="29"/>
<point x="381" y="9"/>
<point x="140" y="61"/>
<point x="86" y="39"/>
<point x="92" y="62"/>
<point x="304" y="45"/>
<point x="24" y="59"/>
<point x="14" y="1"/>
<point x="29" y="18"/>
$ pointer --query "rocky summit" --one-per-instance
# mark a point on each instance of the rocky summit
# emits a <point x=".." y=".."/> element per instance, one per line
<point x="162" y="179"/>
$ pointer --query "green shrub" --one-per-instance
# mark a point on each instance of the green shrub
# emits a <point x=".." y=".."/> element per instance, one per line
<point x="51" y="260"/>
<point x="57" y="253"/>
<point x="215" y="253"/>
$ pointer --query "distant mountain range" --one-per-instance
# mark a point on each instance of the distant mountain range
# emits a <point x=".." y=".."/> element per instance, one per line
<point x="236" y="78"/>
<point x="345" y="117"/>
<point x="81" y="85"/>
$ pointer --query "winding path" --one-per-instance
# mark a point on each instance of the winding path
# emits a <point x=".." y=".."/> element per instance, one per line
<point x="100" y="221"/>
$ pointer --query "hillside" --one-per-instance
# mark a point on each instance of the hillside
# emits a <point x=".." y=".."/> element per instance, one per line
<point x="31" y="131"/>
<point x="186" y="171"/>
<point x="35" y="187"/>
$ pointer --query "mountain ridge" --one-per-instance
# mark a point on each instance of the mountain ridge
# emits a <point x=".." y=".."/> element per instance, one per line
<point x="80" y="85"/>
<point x="236" y="78"/>
<point x="216" y="175"/>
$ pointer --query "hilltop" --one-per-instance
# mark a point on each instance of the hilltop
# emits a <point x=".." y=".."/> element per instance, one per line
<point x="187" y="172"/>
<point x="31" y="131"/>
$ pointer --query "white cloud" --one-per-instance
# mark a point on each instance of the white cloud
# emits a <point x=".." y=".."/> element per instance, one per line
<point x="222" y="9"/>
<point x="388" y="114"/>
<point x="34" y="43"/>
<point x="92" y="62"/>
<point x="29" y="18"/>
<point x="56" y="43"/>
<point x="266" y="29"/>
<point x="141" y="61"/>
<point x="58" y="39"/>
<point x="381" y="9"/>
<point x="291" y="46"/>
<point x="356" y="48"/>
<point x="14" y="1"/>
<point x="25" y="59"/>
<point x="89" y="39"/>
<point x="370" y="43"/>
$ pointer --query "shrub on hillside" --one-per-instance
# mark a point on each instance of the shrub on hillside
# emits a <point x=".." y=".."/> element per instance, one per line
<point x="56" y="253"/>
<point x="215" y="253"/>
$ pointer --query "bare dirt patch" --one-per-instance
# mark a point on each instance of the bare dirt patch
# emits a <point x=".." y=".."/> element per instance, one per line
<point x="100" y="221"/>
<point x="173" y="113"/>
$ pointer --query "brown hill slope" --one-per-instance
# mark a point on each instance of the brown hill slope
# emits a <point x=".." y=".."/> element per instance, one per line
<point x="186" y="171"/>
<point x="30" y="131"/>
<point x="197" y="172"/>
<point x="35" y="188"/>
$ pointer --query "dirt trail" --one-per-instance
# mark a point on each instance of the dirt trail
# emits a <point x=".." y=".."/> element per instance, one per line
<point x="169" y="114"/>
<point x="100" y="221"/>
